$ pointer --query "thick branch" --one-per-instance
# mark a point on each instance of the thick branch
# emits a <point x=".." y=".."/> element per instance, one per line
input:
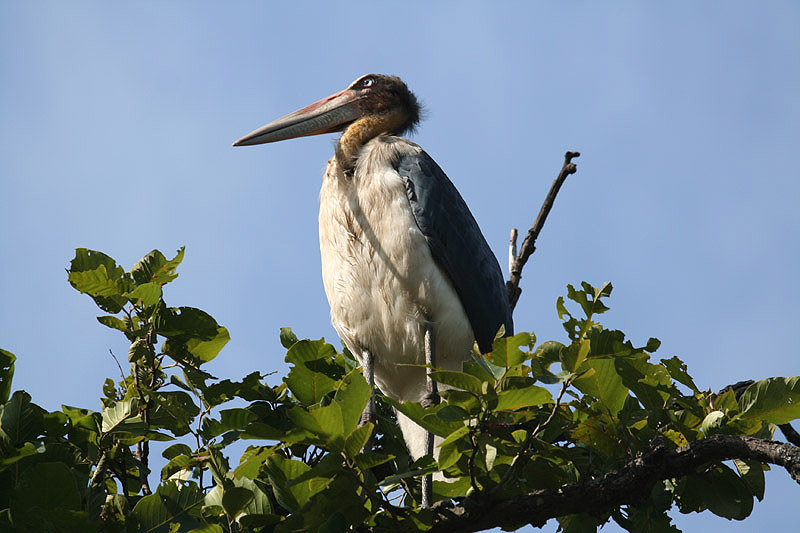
<point x="629" y="485"/>
<point x="529" y="244"/>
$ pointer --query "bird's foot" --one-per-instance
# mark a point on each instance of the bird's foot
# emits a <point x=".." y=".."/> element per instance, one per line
<point x="430" y="399"/>
<point x="368" y="416"/>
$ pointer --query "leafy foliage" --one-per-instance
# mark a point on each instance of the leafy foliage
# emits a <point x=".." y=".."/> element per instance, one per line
<point x="521" y="418"/>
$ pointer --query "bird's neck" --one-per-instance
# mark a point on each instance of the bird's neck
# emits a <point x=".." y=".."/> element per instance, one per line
<point x="360" y="132"/>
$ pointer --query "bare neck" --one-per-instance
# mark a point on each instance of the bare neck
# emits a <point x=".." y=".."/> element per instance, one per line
<point x="361" y="132"/>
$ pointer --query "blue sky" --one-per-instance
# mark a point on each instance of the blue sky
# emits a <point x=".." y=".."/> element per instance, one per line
<point x="116" y="130"/>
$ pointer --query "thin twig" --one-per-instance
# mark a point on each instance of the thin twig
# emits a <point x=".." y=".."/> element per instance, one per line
<point x="529" y="244"/>
<point x="121" y="373"/>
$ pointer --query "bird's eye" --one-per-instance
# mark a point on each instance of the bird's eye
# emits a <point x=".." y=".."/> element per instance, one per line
<point x="367" y="82"/>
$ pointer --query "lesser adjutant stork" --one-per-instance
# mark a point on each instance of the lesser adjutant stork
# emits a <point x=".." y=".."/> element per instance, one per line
<point x="409" y="277"/>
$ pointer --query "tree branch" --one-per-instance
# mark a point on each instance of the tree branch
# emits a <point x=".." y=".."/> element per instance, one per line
<point x="631" y="484"/>
<point x="529" y="244"/>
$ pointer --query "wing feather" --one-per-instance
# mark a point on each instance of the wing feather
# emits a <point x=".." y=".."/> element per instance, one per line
<point x="457" y="245"/>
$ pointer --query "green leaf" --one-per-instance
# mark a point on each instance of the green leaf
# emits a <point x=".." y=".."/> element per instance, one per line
<point x="176" y="450"/>
<point x="251" y="461"/>
<point x="356" y="441"/>
<point x="206" y="350"/>
<point x="719" y="490"/>
<point x="186" y="322"/>
<point x="712" y="422"/>
<point x="21" y="420"/>
<point x="155" y="268"/>
<point x="230" y="420"/>
<point x="208" y="528"/>
<point x="177" y="464"/>
<point x="100" y="286"/>
<point x="323" y="422"/>
<point x="599" y="432"/>
<point x="590" y="297"/>
<point x="517" y="398"/>
<point x="308" y="386"/>
<point x="288" y="338"/>
<point x="280" y="471"/>
<point x="678" y="370"/>
<point x="455" y="435"/>
<point x="425" y="418"/>
<point x="466" y="400"/>
<point x="459" y="380"/>
<point x="752" y="473"/>
<point x="575" y="354"/>
<point x="174" y="410"/>
<point x="259" y="430"/>
<point x="773" y="400"/>
<point x="173" y="502"/>
<point x="235" y="499"/>
<point x="83" y="418"/>
<point x="139" y="350"/>
<point x="259" y="508"/>
<point x="368" y="460"/>
<point x="507" y="353"/>
<point x="307" y="350"/>
<point x="445" y="489"/>
<point x="452" y="413"/>
<point x="121" y="414"/>
<point x="146" y="295"/>
<point x="605" y="384"/>
<point x="480" y="369"/>
<point x="6" y="374"/>
<point x="12" y="455"/>
<point x="47" y="499"/>
<point x="56" y="424"/>
<point x="352" y="397"/>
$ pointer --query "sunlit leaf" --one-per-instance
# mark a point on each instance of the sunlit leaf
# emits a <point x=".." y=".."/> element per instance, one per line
<point x="605" y="384"/>
<point x="774" y="400"/>
<point x="288" y="338"/>
<point x="459" y="380"/>
<point x="6" y="374"/>
<point x="518" y="398"/>
<point x="352" y="397"/>
<point x="678" y="370"/>
<point x="507" y="352"/>
<point x="146" y="294"/>
<point x="171" y="503"/>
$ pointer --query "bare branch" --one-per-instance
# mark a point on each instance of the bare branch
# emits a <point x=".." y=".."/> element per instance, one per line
<point x="529" y="244"/>
<point x="790" y="434"/>
<point x="631" y="484"/>
<point x="512" y="249"/>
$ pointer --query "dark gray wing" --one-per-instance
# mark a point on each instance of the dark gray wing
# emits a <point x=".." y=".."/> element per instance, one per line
<point x="457" y="245"/>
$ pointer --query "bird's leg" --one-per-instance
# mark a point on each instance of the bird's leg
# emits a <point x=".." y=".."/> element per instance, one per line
<point x="431" y="398"/>
<point x="431" y="390"/>
<point x="369" y="414"/>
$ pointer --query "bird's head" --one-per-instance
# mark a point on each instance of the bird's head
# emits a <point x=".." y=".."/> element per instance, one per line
<point x="385" y="101"/>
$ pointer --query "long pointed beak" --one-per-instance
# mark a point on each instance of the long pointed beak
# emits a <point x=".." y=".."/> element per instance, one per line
<point x="329" y="115"/>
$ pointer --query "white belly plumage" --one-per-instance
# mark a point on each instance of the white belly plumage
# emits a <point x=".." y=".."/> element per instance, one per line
<point x="380" y="278"/>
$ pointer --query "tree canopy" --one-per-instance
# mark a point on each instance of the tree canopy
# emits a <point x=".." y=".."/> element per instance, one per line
<point x="585" y="429"/>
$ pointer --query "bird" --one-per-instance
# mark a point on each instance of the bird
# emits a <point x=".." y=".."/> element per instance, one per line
<point x="410" y="278"/>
